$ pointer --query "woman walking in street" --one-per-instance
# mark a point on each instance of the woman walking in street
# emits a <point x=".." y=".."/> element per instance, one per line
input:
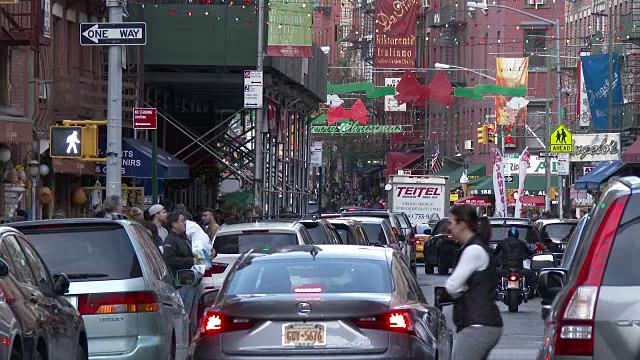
<point x="472" y="286"/>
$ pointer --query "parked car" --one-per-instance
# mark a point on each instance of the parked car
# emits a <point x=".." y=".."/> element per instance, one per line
<point x="321" y="231"/>
<point x="325" y="302"/>
<point x="555" y="233"/>
<point x="36" y="321"/>
<point x="350" y="231"/>
<point x="120" y="284"/>
<point x="441" y="250"/>
<point x="595" y="311"/>
<point x="398" y="228"/>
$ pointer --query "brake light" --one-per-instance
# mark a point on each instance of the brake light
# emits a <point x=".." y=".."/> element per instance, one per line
<point x="308" y="289"/>
<point x="118" y="303"/>
<point x="412" y="239"/>
<point x="513" y="277"/>
<point x="397" y="321"/>
<point x="574" y="329"/>
<point x="449" y="236"/>
<point x="254" y="231"/>
<point x="539" y="248"/>
<point x="216" y="268"/>
<point x="215" y="323"/>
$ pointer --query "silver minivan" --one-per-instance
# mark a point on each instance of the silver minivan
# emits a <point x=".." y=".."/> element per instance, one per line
<point x="119" y="284"/>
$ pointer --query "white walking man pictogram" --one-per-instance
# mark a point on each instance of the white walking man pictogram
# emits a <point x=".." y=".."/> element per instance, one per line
<point x="72" y="140"/>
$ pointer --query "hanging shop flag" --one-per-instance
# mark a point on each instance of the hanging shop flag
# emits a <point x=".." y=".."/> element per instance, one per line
<point x="522" y="175"/>
<point x="582" y="101"/>
<point x="395" y="35"/>
<point x="596" y="80"/>
<point x="289" y="34"/>
<point x="513" y="73"/>
<point x="499" y="185"/>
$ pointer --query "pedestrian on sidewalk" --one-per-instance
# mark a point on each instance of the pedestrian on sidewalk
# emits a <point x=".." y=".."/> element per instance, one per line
<point x="112" y="206"/>
<point x="473" y="288"/>
<point x="158" y="216"/>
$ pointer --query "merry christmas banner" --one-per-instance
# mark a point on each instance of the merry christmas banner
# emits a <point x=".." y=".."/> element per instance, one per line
<point x="512" y="73"/>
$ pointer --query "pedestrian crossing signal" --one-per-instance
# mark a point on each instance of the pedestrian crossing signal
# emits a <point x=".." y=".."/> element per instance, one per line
<point x="73" y="142"/>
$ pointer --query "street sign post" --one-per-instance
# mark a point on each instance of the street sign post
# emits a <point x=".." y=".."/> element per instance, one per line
<point x="102" y="34"/>
<point x="561" y="140"/>
<point x="253" y="89"/>
<point x="145" y="118"/>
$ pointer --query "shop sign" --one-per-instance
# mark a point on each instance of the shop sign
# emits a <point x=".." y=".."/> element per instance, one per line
<point x="357" y="129"/>
<point x="587" y="169"/>
<point x="595" y="147"/>
<point x="583" y="201"/>
<point x="536" y="164"/>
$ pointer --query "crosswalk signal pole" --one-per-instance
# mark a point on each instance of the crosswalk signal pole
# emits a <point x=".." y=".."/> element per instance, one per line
<point x="114" y="107"/>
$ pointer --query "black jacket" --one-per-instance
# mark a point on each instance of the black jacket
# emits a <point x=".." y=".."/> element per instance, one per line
<point x="477" y="305"/>
<point x="177" y="253"/>
<point x="514" y="252"/>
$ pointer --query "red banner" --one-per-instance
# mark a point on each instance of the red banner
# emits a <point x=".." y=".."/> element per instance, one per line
<point x="395" y="41"/>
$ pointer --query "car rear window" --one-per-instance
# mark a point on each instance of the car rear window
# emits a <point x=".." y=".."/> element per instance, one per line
<point x="375" y="233"/>
<point x="311" y="276"/>
<point x="86" y="252"/>
<point x="559" y="231"/>
<point x="526" y="233"/>
<point x="239" y="243"/>
<point x="315" y="230"/>
<point x="623" y="267"/>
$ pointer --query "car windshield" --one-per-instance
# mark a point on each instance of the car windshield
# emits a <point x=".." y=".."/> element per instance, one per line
<point x="239" y="243"/>
<point x="375" y="233"/>
<point x="311" y="276"/>
<point x="559" y="231"/>
<point x="526" y="233"/>
<point x="86" y="253"/>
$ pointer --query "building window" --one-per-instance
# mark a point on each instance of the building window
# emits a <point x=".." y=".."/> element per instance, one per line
<point x="5" y="84"/>
<point x="535" y="43"/>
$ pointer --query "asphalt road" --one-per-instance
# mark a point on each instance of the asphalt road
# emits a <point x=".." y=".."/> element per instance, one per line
<point x="522" y="333"/>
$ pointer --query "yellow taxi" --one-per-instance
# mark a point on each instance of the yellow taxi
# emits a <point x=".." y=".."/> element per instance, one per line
<point x="423" y="233"/>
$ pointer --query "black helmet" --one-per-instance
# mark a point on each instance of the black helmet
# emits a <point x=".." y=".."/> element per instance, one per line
<point x="513" y="232"/>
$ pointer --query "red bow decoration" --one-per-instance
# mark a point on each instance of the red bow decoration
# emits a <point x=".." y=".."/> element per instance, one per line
<point x="409" y="89"/>
<point x="358" y="113"/>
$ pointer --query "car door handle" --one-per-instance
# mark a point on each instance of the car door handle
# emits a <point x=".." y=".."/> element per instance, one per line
<point x="168" y="304"/>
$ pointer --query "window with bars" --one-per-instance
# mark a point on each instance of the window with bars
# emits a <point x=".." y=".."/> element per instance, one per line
<point x="535" y="43"/>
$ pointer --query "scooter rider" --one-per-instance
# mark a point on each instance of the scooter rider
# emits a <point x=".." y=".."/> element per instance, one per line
<point x="514" y="252"/>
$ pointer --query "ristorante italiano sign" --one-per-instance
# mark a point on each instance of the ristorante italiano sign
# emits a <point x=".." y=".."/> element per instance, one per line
<point x="356" y="129"/>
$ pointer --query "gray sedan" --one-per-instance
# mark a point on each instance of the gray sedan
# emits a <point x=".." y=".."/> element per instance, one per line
<point x="322" y="302"/>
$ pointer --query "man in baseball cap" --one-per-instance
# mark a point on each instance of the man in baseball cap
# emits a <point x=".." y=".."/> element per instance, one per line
<point x="158" y="216"/>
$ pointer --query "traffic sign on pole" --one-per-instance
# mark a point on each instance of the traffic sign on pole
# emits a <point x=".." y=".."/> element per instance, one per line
<point x="145" y="118"/>
<point x="253" y="89"/>
<point x="100" y="34"/>
<point x="561" y="140"/>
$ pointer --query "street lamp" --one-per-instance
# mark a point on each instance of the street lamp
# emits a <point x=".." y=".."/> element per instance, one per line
<point x="556" y="24"/>
<point x="35" y="169"/>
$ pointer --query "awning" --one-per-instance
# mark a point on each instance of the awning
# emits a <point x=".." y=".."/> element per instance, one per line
<point x="396" y="161"/>
<point x="136" y="161"/>
<point x="368" y="170"/>
<point x="239" y="198"/>
<point x="475" y="173"/>
<point x="528" y="201"/>
<point x="603" y="171"/>
<point x="533" y="185"/>
<point x="632" y="154"/>
<point x="73" y="167"/>
<point x="473" y="201"/>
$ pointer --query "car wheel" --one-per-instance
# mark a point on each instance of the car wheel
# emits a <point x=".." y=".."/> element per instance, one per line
<point x="15" y="354"/>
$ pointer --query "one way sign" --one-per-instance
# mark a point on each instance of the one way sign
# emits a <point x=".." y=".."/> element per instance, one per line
<point x="100" y="34"/>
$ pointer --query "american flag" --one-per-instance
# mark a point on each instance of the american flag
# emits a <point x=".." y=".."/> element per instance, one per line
<point x="435" y="163"/>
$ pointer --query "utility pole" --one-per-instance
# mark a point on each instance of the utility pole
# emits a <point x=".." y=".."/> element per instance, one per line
<point x="547" y="142"/>
<point x="610" y="51"/>
<point x="114" y="107"/>
<point x="559" y="115"/>
<point x="257" y="174"/>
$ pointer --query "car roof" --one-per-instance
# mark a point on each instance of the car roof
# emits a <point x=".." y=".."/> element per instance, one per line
<point x="373" y="213"/>
<point x="71" y="221"/>
<point x="260" y="225"/>
<point x="367" y="219"/>
<point x="344" y="221"/>
<point x="544" y="222"/>
<point x="323" y="251"/>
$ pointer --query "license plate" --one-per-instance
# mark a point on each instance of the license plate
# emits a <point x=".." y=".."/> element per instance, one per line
<point x="298" y="335"/>
<point x="513" y="285"/>
<point x="73" y="300"/>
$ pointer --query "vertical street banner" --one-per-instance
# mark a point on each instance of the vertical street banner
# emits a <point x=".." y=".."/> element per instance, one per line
<point x="395" y="35"/>
<point x="289" y="33"/>
<point x="499" y="190"/>
<point x="582" y="106"/>
<point x="525" y="161"/>
<point x="596" y="80"/>
<point x="511" y="72"/>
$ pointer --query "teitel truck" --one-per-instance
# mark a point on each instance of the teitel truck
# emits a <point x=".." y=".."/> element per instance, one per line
<point x="419" y="196"/>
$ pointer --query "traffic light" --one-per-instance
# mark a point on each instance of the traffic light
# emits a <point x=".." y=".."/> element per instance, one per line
<point x="491" y="135"/>
<point x="552" y="193"/>
<point x="482" y="134"/>
<point x="73" y="142"/>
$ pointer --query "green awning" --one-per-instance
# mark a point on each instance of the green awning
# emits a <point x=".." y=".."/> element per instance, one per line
<point x="475" y="173"/>
<point x="238" y="198"/>
<point x="533" y="184"/>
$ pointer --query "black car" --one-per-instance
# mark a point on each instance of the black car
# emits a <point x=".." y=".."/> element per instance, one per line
<point x="321" y="231"/>
<point x="441" y="250"/>
<point x="43" y="324"/>
<point x="324" y="302"/>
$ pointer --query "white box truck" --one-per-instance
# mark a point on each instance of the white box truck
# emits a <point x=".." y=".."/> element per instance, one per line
<point x="419" y="196"/>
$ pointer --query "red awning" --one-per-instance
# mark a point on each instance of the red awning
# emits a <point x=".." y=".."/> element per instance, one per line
<point x="398" y="160"/>
<point x="473" y="201"/>
<point x="632" y="154"/>
<point x="528" y="200"/>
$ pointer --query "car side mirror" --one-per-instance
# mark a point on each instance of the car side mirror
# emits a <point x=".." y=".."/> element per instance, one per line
<point x="186" y="278"/>
<point x="542" y="261"/>
<point x="550" y="282"/>
<point x="60" y="284"/>
<point x="4" y="269"/>
<point x="427" y="232"/>
<point x="441" y="297"/>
